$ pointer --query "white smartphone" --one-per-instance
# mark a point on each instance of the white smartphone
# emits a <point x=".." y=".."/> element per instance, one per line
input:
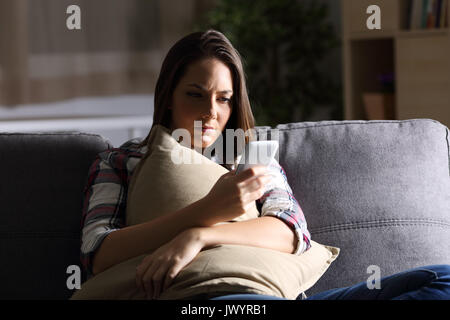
<point x="257" y="153"/>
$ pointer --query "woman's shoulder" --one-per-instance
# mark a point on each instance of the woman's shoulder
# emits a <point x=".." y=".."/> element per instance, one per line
<point x="133" y="146"/>
<point x="130" y="149"/>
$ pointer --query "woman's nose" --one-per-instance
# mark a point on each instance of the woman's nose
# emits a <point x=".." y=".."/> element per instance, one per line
<point x="211" y="109"/>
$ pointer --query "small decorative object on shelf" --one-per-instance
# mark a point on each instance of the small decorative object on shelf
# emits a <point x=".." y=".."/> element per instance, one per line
<point x="381" y="105"/>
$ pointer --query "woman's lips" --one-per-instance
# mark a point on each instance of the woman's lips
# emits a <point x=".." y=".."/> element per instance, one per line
<point x="208" y="131"/>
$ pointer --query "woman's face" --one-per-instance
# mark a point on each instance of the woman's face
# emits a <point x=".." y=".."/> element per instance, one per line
<point x="203" y="94"/>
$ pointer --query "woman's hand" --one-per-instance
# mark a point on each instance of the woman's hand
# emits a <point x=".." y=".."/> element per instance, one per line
<point x="233" y="194"/>
<point x="157" y="270"/>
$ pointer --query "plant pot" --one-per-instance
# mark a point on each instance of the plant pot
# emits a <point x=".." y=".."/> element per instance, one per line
<point x="379" y="106"/>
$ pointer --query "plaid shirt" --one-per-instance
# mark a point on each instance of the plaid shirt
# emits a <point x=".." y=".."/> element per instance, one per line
<point x="105" y="198"/>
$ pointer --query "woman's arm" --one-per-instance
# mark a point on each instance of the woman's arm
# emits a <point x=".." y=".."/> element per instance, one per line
<point x="279" y="201"/>
<point x="227" y="200"/>
<point x="157" y="270"/>
<point x="265" y="232"/>
<point x="106" y="240"/>
<point x="135" y="240"/>
<point x="281" y="227"/>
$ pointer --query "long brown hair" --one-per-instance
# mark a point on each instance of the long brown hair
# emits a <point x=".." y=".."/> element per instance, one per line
<point x="191" y="48"/>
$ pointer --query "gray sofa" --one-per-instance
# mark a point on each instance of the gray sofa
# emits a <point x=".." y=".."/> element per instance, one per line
<point x="379" y="190"/>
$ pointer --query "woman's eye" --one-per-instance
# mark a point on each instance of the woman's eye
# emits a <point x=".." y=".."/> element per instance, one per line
<point x="225" y="99"/>
<point x="193" y="94"/>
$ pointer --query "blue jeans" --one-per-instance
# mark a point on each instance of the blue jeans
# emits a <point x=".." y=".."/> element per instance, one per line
<point x="423" y="283"/>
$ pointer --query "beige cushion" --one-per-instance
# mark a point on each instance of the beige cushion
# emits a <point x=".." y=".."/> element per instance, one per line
<point x="159" y="186"/>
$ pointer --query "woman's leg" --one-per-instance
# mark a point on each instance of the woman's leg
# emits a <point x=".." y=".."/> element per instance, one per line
<point x="438" y="289"/>
<point x="423" y="283"/>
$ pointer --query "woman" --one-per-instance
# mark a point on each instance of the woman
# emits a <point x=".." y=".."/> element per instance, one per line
<point x="201" y="79"/>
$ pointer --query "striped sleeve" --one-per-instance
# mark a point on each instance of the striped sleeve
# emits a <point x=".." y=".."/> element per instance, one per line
<point x="103" y="203"/>
<point x="105" y="196"/>
<point x="279" y="201"/>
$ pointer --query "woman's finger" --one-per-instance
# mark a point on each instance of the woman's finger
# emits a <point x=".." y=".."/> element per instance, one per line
<point x="254" y="181"/>
<point x="138" y="279"/>
<point x="140" y="271"/>
<point x="257" y="182"/>
<point x="158" y="278"/>
<point x="251" y="172"/>
<point x="231" y="172"/>
<point x="257" y="194"/>
<point x="147" y="279"/>
<point x="171" y="274"/>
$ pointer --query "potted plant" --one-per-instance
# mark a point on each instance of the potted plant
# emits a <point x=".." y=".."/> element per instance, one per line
<point x="282" y="43"/>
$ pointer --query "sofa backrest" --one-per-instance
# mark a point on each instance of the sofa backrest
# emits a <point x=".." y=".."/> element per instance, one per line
<point x="379" y="190"/>
<point x="43" y="176"/>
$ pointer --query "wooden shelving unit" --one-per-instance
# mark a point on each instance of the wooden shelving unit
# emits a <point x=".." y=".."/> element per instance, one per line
<point x="419" y="59"/>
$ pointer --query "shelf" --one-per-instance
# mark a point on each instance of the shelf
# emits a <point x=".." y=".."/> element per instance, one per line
<point x="380" y="34"/>
<point x="375" y="34"/>
<point x="418" y="58"/>
<point x="423" y="32"/>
